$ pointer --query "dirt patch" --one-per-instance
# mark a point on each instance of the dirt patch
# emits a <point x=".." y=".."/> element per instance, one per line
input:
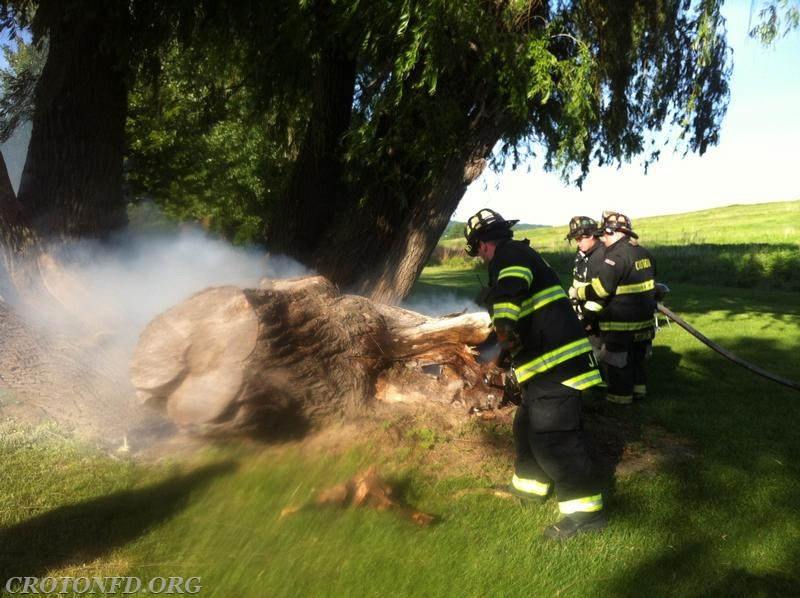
<point x="440" y="440"/>
<point x="621" y="445"/>
<point x="448" y="442"/>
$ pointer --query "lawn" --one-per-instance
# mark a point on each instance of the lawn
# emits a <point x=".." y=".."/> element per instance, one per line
<point x="701" y="488"/>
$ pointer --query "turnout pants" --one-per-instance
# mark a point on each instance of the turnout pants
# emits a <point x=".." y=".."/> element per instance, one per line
<point x="549" y="442"/>
<point x="627" y="377"/>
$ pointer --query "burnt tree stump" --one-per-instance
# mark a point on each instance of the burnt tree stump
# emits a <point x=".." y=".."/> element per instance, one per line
<point x="294" y="353"/>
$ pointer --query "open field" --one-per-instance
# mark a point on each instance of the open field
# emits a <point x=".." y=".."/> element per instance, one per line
<point x="740" y="246"/>
<point x="701" y="486"/>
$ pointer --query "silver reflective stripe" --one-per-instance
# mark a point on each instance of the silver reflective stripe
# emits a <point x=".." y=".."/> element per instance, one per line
<point x="642" y="287"/>
<point x="626" y="326"/>
<point x="542" y="298"/>
<point x="584" y="381"/>
<point x="593" y="306"/>
<point x="598" y="288"/>
<point x="518" y="272"/>
<point x="505" y="310"/>
<point x="551" y="359"/>
<point x="530" y="486"/>
<point x="587" y="504"/>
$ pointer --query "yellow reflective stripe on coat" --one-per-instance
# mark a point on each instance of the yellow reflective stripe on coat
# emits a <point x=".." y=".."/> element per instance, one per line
<point x="599" y="289"/>
<point x="510" y="311"/>
<point x="588" y="504"/>
<point x="593" y="306"/>
<point x="530" y="486"/>
<point x="551" y="359"/>
<point x="518" y="272"/>
<point x="542" y="298"/>
<point x="631" y="289"/>
<point x="625" y="326"/>
<point x="585" y="380"/>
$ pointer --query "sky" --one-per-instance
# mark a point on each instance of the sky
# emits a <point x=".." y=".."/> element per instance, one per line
<point x="757" y="159"/>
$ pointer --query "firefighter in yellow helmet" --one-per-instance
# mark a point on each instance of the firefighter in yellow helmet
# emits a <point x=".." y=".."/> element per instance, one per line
<point x="625" y="287"/>
<point x="553" y="362"/>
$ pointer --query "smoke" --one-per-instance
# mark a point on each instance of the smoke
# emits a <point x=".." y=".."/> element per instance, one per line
<point x="440" y="304"/>
<point x="87" y="304"/>
<point x="139" y="275"/>
<point x="116" y="287"/>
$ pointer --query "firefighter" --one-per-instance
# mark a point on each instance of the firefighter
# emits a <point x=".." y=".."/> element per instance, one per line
<point x="553" y="362"/>
<point x="625" y="286"/>
<point x="589" y="255"/>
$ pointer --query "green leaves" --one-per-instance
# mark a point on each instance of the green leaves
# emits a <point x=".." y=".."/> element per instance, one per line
<point x="776" y="19"/>
<point x="580" y="82"/>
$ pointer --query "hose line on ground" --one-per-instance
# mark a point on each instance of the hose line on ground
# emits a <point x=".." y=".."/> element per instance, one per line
<point x="724" y="352"/>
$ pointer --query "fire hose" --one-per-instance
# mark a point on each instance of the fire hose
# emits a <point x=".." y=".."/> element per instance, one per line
<point x="724" y="352"/>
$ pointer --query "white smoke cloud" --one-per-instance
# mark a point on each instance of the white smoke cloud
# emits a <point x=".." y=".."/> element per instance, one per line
<point x="440" y="304"/>
<point x="118" y="286"/>
<point x="89" y="301"/>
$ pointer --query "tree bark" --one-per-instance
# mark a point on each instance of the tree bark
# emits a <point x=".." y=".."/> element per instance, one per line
<point x="291" y="355"/>
<point x="391" y="246"/>
<point x="71" y="184"/>
<point x="316" y="188"/>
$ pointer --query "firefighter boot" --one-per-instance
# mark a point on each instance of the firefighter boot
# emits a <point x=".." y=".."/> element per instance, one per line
<point x="576" y="523"/>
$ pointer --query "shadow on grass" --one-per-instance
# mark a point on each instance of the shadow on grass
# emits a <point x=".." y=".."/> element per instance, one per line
<point x="609" y="429"/>
<point x="742" y="481"/>
<point x="82" y="532"/>
<point x="672" y="573"/>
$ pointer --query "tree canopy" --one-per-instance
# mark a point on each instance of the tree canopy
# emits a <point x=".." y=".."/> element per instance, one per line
<point x="345" y="132"/>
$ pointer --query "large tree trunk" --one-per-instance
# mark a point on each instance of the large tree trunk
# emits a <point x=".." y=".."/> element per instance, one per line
<point x="71" y="184"/>
<point x="293" y="354"/>
<point x="316" y="186"/>
<point x="373" y="233"/>
<point x="395" y="234"/>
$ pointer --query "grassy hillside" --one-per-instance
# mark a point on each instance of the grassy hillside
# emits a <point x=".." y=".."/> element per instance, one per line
<point x="773" y="223"/>
<point x="745" y="246"/>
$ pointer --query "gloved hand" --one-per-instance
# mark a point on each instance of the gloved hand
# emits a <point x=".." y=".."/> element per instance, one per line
<point x="572" y="292"/>
<point x="503" y="361"/>
<point x="508" y="338"/>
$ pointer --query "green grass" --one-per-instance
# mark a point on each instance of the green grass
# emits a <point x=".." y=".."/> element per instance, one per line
<point x="723" y="522"/>
<point x="774" y="223"/>
<point x="737" y="246"/>
<point x="719" y="520"/>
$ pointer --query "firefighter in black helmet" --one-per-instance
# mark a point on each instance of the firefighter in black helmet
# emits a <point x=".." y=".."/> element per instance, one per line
<point x="587" y="234"/>
<point x="625" y="287"/>
<point x="553" y="362"/>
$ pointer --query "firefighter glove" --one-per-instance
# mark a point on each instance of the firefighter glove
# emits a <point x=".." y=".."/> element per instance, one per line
<point x="508" y="337"/>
